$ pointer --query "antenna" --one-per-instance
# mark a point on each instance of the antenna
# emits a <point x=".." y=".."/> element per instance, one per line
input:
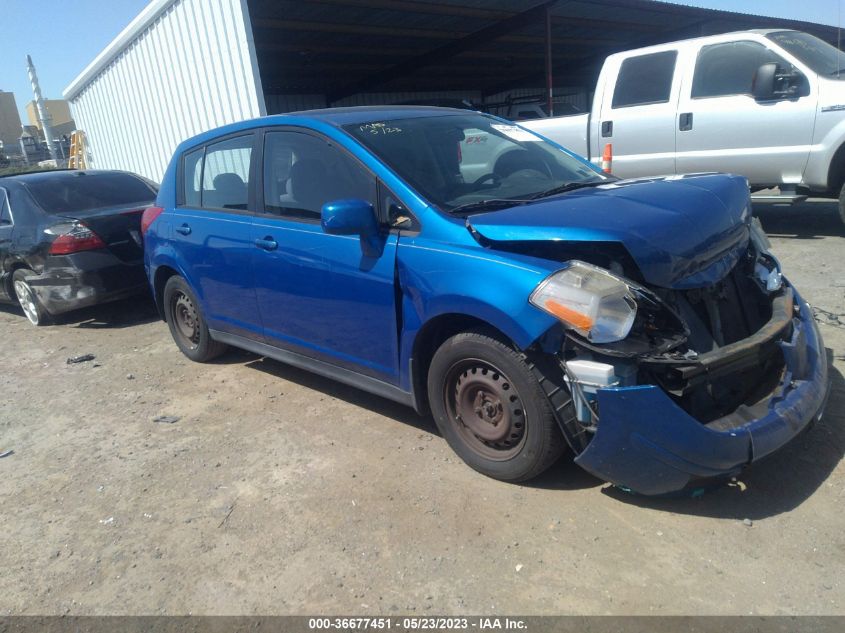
<point x="43" y="116"/>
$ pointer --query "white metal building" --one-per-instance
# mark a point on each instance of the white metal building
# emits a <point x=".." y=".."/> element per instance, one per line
<point x="185" y="66"/>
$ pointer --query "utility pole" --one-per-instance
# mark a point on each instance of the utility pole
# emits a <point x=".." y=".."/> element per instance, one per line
<point x="43" y="115"/>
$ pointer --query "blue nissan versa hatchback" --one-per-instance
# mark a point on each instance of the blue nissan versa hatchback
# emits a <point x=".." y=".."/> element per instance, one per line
<point x="456" y="262"/>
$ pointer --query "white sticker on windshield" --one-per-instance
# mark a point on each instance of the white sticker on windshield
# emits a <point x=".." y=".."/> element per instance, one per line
<point x="515" y="132"/>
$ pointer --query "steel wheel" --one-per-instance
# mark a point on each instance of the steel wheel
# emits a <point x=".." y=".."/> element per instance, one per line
<point x="186" y="319"/>
<point x="485" y="409"/>
<point x="26" y="299"/>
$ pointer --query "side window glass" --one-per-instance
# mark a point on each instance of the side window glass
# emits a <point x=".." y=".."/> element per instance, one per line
<point x="393" y="212"/>
<point x="191" y="174"/>
<point x="645" y="79"/>
<point x="303" y="172"/>
<point x="729" y="68"/>
<point x="5" y="209"/>
<point x="225" y="174"/>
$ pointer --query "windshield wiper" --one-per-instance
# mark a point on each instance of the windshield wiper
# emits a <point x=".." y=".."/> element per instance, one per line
<point x="482" y="205"/>
<point x="569" y="186"/>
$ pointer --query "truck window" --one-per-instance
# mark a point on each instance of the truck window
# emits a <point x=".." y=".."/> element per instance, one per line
<point x="645" y="79"/>
<point x="728" y="69"/>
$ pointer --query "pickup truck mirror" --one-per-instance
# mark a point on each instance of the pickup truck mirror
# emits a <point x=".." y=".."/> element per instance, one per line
<point x="771" y="82"/>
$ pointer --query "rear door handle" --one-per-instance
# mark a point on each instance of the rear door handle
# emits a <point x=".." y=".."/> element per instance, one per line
<point x="685" y="122"/>
<point x="184" y="229"/>
<point x="267" y="244"/>
<point x="607" y="128"/>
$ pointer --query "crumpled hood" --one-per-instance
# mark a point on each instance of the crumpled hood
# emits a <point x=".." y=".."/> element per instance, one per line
<point x="682" y="231"/>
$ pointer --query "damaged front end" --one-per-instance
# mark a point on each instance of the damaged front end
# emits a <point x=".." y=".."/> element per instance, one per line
<point x="674" y="385"/>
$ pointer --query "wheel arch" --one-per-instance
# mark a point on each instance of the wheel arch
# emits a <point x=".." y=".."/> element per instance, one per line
<point x="836" y="171"/>
<point x="162" y="274"/>
<point x="433" y="333"/>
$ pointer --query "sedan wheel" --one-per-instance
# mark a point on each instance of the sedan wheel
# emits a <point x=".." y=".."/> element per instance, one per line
<point x="27" y="299"/>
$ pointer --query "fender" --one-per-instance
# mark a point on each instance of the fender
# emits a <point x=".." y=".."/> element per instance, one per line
<point x="822" y="152"/>
<point x="436" y="279"/>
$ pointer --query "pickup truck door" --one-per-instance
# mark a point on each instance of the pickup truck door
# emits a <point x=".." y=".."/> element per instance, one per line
<point x="720" y="126"/>
<point x="637" y="115"/>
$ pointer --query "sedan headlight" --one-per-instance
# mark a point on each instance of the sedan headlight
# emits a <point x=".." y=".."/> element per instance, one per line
<point x="595" y="303"/>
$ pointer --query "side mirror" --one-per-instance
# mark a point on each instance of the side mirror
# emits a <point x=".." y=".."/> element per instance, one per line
<point x="773" y="82"/>
<point x="763" y="85"/>
<point x="353" y="217"/>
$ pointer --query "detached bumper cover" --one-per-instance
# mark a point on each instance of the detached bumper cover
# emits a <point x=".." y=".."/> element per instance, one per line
<point x="647" y="443"/>
<point x="91" y="278"/>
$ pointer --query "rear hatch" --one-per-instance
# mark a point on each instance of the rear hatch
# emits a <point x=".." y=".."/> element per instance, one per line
<point x="109" y="203"/>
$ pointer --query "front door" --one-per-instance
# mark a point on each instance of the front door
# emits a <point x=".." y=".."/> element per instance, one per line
<point x="212" y="231"/>
<point x="722" y="128"/>
<point x="319" y="294"/>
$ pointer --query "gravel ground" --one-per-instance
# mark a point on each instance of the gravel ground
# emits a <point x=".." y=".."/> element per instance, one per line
<point x="278" y="492"/>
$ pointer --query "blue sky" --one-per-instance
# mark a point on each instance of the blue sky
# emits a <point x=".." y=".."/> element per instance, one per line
<point x="63" y="36"/>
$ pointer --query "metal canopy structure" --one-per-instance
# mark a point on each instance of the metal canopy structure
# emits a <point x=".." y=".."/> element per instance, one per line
<point x="340" y="48"/>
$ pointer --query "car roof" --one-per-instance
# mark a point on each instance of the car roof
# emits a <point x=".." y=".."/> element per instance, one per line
<point x="366" y="114"/>
<point x="335" y="117"/>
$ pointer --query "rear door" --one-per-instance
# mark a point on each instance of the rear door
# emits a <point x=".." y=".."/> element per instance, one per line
<point x="638" y="114"/>
<point x="211" y="230"/>
<point x="722" y="128"/>
<point x="318" y="294"/>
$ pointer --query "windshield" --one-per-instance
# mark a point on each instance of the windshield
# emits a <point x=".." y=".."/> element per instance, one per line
<point x="457" y="160"/>
<point x="820" y="56"/>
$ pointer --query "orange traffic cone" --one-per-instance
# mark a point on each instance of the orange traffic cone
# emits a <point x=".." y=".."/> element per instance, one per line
<point x="607" y="158"/>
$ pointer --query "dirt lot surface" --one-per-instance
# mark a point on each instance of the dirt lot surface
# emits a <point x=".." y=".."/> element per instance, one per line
<point x="278" y="492"/>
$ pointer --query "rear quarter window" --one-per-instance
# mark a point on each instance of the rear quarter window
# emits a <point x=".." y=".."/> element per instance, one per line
<point x="82" y="191"/>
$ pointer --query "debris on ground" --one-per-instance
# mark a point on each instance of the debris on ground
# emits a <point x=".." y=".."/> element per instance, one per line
<point x="80" y="359"/>
<point x="747" y="522"/>
<point x="6" y="453"/>
<point x="130" y="377"/>
<point x="167" y="419"/>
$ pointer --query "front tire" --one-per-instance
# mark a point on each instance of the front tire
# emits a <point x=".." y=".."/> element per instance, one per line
<point x="187" y="324"/>
<point x="490" y="408"/>
<point x="27" y="299"/>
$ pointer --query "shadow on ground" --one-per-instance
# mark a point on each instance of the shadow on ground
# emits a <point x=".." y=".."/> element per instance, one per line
<point x="807" y="220"/>
<point x="777" y="484"/>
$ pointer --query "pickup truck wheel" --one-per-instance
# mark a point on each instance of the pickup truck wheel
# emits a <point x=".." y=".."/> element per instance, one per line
<point x="842" y="204"/>
<point x="490" y="408"/>
<point x="187" y="323"/>
<point x="27" y="299"/>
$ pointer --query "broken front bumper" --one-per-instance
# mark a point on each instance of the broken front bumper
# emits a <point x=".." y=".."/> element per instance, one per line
<point x="649" y="444"/>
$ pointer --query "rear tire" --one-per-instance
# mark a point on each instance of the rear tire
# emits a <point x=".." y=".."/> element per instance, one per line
<point x="187" y="324"/>
<point x="842" y="204"/>
<point x="27" y="299"/>
<point x="490" y="408"/>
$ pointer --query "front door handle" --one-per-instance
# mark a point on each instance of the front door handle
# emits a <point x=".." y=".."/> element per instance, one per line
<point x="267" y="244"/>
<point x="685" y="122"/>
<point x="184" y="229"/>
<point x="607" y="128"/>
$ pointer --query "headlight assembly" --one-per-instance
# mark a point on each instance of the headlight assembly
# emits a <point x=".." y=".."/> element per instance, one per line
<point x="595" y="303"/>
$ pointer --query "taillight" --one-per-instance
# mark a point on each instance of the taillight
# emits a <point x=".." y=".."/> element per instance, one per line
<point x="73" y="238"/>
<point x="150" y="215"/>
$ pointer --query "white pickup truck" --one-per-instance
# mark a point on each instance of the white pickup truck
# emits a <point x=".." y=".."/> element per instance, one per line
<point x="766" y="104"/>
